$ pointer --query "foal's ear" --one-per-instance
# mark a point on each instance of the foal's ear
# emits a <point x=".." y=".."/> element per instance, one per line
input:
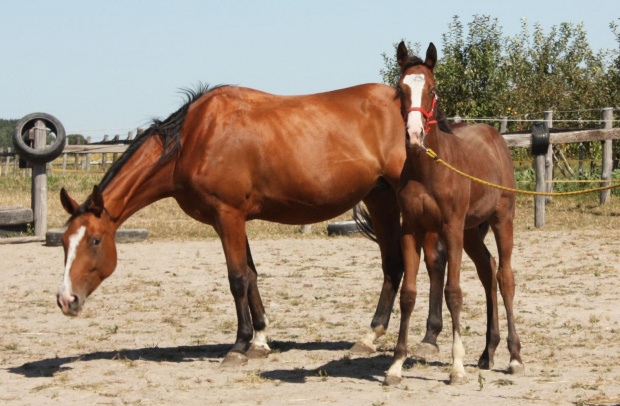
<point x="67" y="202"/>
<point x="96" y="202"/>
<point x="402" y="54"/>
<point x="431" y="56"/>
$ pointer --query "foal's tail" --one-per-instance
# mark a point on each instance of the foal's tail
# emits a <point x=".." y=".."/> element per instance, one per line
<point x="364" y="222"/>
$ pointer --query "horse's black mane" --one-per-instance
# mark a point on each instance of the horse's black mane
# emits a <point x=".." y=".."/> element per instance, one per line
<point x="442" y="119"/>
<point x="168" y="131"/>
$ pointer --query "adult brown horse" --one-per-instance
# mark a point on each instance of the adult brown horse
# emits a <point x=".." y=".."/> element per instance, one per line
<point x="233" y="154"/>
<point x="434" y="199"/>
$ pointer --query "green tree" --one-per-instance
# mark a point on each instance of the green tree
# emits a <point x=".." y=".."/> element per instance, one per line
<point x="76" y="139"/>
<point x="391" y="72"/>
<point x="471" y="76"/>
<point x="7" y="127"/>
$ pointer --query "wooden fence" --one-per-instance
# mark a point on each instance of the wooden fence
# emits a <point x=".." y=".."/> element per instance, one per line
<point x="79" y="157"/>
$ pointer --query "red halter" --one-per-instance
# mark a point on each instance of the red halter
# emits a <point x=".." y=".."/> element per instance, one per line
<point x="426" y="114"/>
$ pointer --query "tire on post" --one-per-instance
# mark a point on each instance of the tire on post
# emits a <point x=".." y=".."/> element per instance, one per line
<point x="43" y="155"/>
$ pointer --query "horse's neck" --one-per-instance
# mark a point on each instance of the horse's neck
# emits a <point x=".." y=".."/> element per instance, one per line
<point x="140" y="182"/>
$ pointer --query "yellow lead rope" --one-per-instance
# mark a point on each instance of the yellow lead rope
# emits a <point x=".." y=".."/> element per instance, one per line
<point x="433" y="155"/>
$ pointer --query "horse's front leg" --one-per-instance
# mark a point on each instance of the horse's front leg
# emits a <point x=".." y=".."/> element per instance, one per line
<point x="435" y="258"/>
<point x="411" y="254"/>
<point x="453" y="238"/>
<point x="259" y="347"/>
<point x="231" y="229"/>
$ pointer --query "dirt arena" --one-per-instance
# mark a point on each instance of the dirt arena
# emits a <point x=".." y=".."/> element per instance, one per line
<point x="155" y="332"/>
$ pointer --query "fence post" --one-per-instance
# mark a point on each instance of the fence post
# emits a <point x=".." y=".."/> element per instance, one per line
<point x="39" y="184"/>
<point x="6" y="170"/>
<point x="87" y="158"/>
<point x="549" y="172"/>
<point x="503" y="126"/>
<point x="104" y="165"/>
<point x="16" y="166"/>
<point x="540" y="136"/>
<point x="608" y="114"/>
<point x="117" y="138"/>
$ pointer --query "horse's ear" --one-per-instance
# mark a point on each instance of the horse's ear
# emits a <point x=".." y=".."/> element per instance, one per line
<point x="96" y="202"/>
<point x="431" y="56"/>
<point x="402" y="54"/>
<point x="67" y="202"/>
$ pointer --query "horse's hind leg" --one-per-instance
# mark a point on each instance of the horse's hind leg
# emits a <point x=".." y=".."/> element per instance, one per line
<point x="503" y="231"/>
<point x="435" y="258"/>
<point x="385" y="214"/>
<point x="259" y="348"/>
<point x="485" y="266"/>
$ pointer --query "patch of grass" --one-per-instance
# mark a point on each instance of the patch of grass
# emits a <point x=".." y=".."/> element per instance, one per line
<point x="503" y="382"/>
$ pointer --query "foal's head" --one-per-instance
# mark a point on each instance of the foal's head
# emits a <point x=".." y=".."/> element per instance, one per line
<point x="90" y="250"/>
<point x="418" y="95"/>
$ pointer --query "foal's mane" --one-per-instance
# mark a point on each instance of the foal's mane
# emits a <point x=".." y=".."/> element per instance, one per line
<point x="168" y="131"/>
<point x="442" y="119"/>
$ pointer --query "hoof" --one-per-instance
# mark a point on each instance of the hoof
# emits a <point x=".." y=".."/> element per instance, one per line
<point x="516" y="368"/>
<point x="234" y="359"/>
<point x="391" y="380"/>
<point x="256" y="352"/>
<point x="484" y="363"/>
<point x="362" y="348"/>
<point x="458" y="379"/>
<point x="426" y="351"/>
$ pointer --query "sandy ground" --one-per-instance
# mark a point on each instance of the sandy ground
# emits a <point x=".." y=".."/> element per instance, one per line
<point x="155" y="332"/>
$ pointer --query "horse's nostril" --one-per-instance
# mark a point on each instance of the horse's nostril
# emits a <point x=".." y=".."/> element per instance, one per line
<point x="75" y="303"/>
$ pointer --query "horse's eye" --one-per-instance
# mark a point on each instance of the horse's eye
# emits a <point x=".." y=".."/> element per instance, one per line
<point x="96" y="241"/>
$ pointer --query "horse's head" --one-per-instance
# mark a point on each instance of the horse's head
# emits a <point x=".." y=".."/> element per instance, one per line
<point x="90" y="250"/>
<point x="416" y="88"/>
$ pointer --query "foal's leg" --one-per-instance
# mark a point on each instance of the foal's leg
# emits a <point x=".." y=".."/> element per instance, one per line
<point x="453" y="238"/>
<point x="435" y="257"/>
<point x="259" y="348"/>
<point x="230" y="226"/>
<point x="503" y="231"/>
<point x="411" y="254"/>
<point x="485" y="266"/>
<point x="385" y="214"/>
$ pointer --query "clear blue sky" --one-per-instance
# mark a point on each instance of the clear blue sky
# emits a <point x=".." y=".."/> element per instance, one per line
<point x="115" y="64"/>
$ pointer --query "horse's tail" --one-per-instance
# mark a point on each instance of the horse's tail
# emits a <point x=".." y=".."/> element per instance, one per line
<point x="364" y="222"/>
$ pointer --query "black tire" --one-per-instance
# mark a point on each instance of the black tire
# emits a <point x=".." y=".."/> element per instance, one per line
<point x="342" y="228"/>
<point x="43" y="155"/>
<point x="540" y="138"/>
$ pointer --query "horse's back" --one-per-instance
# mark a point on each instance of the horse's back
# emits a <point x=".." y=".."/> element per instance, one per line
<point x="486" y="152"/>
<point x="276" y="154"/>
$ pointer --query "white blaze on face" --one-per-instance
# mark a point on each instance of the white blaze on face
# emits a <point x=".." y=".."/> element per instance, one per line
<point x="415" y="123"/>
<point x="74" y="242"/>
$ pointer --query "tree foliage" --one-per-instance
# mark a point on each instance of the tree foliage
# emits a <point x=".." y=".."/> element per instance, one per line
<point x="483" y="73"/>
<point x="7" y="127"/>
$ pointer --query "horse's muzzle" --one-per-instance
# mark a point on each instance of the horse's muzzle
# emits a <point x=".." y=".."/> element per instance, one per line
<point x="68" y="303"/>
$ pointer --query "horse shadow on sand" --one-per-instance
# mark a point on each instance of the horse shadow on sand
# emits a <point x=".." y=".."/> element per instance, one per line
<point x="370" y="368"/>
